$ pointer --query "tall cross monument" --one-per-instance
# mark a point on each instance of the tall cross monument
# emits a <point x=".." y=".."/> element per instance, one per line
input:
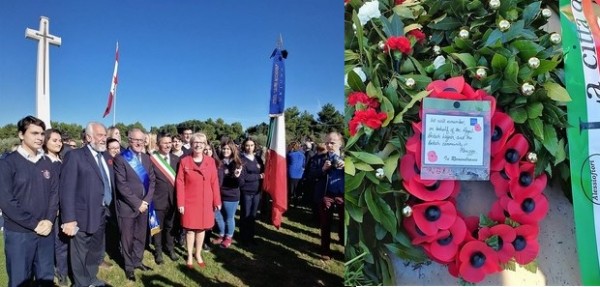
<point x="42" y="83"/>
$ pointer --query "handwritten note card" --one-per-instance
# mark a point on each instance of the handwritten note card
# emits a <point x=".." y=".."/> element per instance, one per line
<point x="453" y="140"/>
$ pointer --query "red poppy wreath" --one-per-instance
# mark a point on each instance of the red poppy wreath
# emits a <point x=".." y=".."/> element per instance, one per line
<point x="473" y="247"/>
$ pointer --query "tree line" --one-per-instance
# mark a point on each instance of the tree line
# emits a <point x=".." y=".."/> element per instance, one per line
<point x="299" y="125"/>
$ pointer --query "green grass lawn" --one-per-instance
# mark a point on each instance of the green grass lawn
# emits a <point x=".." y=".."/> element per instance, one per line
<point x="285" y="257"/>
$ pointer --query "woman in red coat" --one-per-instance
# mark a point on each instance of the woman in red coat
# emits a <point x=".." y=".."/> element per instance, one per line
<point x="198" y="196"/>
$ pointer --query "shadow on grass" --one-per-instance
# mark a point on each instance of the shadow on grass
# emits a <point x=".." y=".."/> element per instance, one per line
<point x="276" y="254"/>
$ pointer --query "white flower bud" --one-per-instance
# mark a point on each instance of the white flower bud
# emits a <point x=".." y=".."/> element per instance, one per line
<point x="495" y="4"/>
<point x="379" y="173"/>
<point x="410" y="83"/>
<point x="437" y="50"/>
<point x="533" y="63"/>
<point x="527" y="89"/>
<point x="481" y="73"/>
<point x="464" y="34"/>
<point x="547" y="13"/>
<point x="504" y="25"/>
<point x="555" y="38"/>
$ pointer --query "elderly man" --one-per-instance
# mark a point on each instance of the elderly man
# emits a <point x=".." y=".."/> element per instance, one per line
<point x="135" y="181"/>
<point x="86" y="196"/>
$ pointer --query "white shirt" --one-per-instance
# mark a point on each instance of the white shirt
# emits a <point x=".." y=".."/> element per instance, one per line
<point x="95" y="154"/>
<point x="21" y="150"/>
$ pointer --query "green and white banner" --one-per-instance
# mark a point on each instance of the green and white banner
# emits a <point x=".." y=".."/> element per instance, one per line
<point x="581" y="40"/>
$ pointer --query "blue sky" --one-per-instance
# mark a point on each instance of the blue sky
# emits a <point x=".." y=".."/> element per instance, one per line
<point x="179" y="60"/>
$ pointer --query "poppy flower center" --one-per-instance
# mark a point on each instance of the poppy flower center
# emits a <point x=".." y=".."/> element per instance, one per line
<point x="450" y="89"/>
<point x="477" y="259"/>
<point x="525" y="179"/>
<point x="434" y="186"/>
<point x="520" y="243"/>
<point x="445" y="241"/>
<point x="497" y="135"/>
<point x="528" y="205"/>
<point x="416" y="168"/>
<point x="504" y="175"/>
<point x="511" y="155"/>
<point x="432" y="213"/>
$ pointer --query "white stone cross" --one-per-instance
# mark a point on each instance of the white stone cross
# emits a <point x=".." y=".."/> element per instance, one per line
<point x="42" y="86"/>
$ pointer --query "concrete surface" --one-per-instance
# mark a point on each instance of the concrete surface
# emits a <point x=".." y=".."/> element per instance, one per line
<point x="557" y="260"/>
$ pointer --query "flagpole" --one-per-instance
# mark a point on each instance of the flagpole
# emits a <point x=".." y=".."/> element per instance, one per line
<point x="114" y="107"/>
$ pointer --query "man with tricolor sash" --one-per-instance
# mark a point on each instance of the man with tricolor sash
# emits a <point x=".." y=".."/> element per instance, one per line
<point x="135" y="182"/>
<point x="165" y="164"/>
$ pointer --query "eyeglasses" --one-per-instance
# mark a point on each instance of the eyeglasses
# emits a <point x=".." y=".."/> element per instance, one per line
<point x="198" y="143"/>
<point x="136" y="140"/>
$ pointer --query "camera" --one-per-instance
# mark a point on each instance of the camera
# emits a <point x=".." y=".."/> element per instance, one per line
<point x="335" y="159"/>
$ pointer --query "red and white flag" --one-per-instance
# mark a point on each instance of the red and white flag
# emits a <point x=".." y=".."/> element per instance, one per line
<point x="113" y="86"/>
<point x="275" y="182"/>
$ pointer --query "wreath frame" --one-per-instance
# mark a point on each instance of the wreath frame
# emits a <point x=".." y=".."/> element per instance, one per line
<point x="507" y="235"/>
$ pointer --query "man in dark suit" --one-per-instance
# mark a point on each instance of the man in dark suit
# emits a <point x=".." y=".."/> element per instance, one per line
<point x="135" y="181"/>
<point x="86" y="195"/>
<point x="186" y="136"/>
<point x="165" y="165"/>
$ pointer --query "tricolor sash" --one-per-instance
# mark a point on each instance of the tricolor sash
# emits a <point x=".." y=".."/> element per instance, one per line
<point x="163" y="166"/>
<point x="141" y="172"/>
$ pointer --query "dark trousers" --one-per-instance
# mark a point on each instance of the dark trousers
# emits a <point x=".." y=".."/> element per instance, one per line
<point x="133" y="239"/>
<point x="249" y="208"/>
<point x="29" y="254"/>
<point x="293" y="192"/>
<point x="61" y="249"/>
<point x="85" y="249"/>
<point x="328" y="206"/>
<point x="166" y="235"/>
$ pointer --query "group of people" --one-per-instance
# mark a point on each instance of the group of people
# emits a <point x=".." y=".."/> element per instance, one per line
<point x="58" y="204"/>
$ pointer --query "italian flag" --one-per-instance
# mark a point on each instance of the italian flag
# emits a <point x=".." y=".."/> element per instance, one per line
<point x="275" y="181"/>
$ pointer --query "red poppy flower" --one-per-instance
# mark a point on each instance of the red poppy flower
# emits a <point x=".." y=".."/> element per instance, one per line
<point x="477" y="260"/>
<point x="528" y="210"/>
<point x="424" y="189"/>
<point x="413" y="144"/>
<point x="452" y="89"/>
<point x="526" y="244"/>
<point x="417" y="236"/>
<point x="418" y="35"/>
<point x="523" y="183"/>
<point x="502" y="127"/>
<point x="432" y="216"/>
<point x="399" y="43"/>
<point x="510" y="154"/>
<point x="409" y="170"/>
<point x="500" y="181"/>
<point x="355" y="98"/>
<point x="444" y="249"/>
<point x="472" y="223"/>
<point x="506" y="235"/>
<point x="498" y="211"/>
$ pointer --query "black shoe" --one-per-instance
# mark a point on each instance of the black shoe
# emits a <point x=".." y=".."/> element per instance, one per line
<point x="206" y="247"/>
<point x="143" y="267"/>
<point x="173" y="256"/>
<point x="130" y="275"/>
<point x="158" y="260"/>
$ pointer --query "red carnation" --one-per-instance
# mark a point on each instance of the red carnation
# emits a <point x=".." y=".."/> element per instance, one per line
<point x="418" y="35"/>
<point x="445" y="248"/>
<point x="526" y="244"/>
<point x="502" y="127"/>
<point x="510" y="155"/>
<point x="400" y="43"/>
<point x="452" y="89"/>
<point x="398" y="2"/>
<point x="355" y="98"/>
<point x="506" y="235"/>
<point x="432" y="216"/>
<point x="368" y="117"/>
<point x="477" y="260"/>
<point x="528" y="210"/>
<point x="523" y="183"/>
